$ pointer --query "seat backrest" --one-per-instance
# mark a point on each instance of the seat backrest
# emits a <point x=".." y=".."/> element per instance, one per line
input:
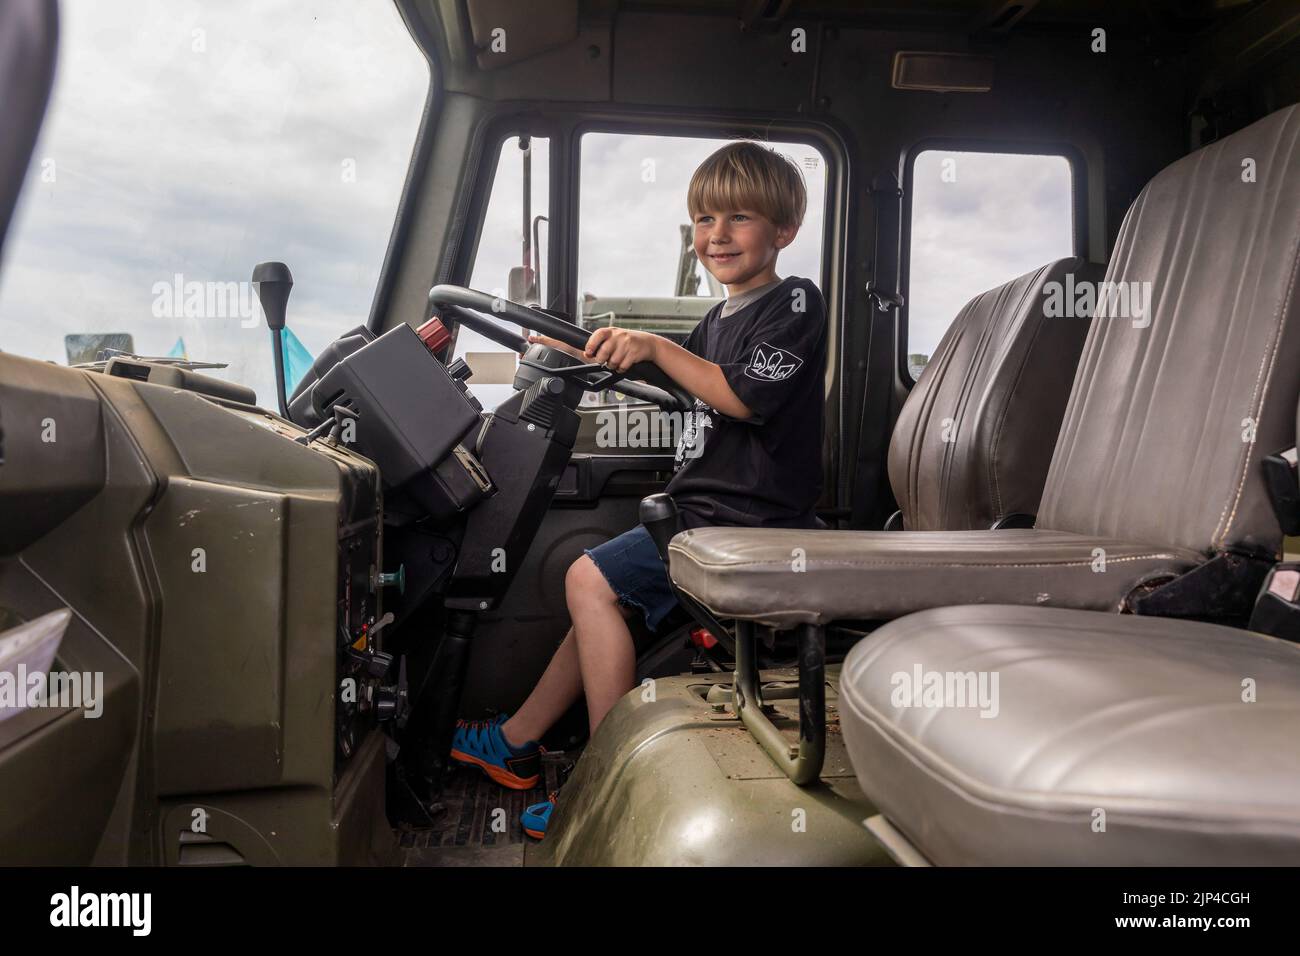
<point x="975" y="436"/>
<point x="1171" y="411"/>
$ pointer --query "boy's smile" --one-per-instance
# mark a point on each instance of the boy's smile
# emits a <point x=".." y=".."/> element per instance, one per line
<point x="739" y="247"/>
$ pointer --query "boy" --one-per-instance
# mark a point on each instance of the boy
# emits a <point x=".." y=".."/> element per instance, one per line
<point x="749" y="454"/>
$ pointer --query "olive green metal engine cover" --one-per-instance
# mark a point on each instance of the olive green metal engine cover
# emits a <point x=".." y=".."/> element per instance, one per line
<point x="668" y="781"/>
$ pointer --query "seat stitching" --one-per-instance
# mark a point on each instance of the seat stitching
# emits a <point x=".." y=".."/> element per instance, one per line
<point x="923" y="395"/>
<point x="1257" y="403"/>
<point x="986" y="343"/>
<point x="1011" y="397"/>
<point x="911" y="564"/>
<point x="930" y="403"/>
<point x="1257" y="407"/>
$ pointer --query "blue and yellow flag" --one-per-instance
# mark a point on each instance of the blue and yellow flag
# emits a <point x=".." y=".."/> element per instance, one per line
<point x="297" y="360"/>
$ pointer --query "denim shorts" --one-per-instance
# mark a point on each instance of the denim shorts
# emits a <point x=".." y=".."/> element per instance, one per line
<point x="634" y="570"/>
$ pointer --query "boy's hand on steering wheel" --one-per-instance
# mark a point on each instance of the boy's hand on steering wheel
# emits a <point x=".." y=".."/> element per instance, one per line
<point x="620" y="349"/>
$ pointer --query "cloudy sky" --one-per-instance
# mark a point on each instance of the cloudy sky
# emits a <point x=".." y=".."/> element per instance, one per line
<point x="200" y="138"/>
<point x="196" y="138"/>
<point x="991" y="218"/>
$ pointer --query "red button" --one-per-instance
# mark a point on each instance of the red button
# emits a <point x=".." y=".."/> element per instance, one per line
<point x="434" y="335"/>
<point x="702" y="638"/>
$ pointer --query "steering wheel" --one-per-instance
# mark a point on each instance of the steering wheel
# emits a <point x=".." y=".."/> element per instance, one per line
<point x="644" y="380"/>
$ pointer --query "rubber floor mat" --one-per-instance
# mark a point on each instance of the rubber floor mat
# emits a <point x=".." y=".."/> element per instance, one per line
<point x="479" y="812"/>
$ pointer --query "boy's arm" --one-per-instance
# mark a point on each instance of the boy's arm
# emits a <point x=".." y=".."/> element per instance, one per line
<point x="702" y="378"/>
<point x="620" y="349"/>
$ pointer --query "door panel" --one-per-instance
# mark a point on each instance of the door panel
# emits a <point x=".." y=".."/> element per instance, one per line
<point x="599" y="498"/>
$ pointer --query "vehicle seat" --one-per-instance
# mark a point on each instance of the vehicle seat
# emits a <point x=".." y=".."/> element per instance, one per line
<point x="1156" y="471"/>
<point x="973" y="441"/>
<point x="1117" y="740"/>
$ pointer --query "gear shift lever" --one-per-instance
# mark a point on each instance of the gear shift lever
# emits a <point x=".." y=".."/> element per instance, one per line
<point x="273" y="282"/>
<point x="660" y="517"/>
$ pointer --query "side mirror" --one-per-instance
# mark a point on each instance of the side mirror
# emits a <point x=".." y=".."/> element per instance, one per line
<point x="520" y="286"/>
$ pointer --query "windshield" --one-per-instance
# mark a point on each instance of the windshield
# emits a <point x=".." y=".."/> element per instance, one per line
<point x="185" y="143"/>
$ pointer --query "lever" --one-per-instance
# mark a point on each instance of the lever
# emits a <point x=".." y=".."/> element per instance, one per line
<point x="273" y="282"/>
<point x="885" y="301"/>
<point x="341" y="412"/>
<point x="660" y="517"/>
<point x="376" y="663"/>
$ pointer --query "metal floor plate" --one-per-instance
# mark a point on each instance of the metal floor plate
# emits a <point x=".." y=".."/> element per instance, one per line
<point x="480" y="814"/>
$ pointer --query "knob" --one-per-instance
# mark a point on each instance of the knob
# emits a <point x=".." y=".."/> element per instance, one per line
<point x="389" y="578"/>
<point x="660" y="517"/>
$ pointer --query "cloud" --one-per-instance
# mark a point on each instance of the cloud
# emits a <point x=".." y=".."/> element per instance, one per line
<point x="200" y="139"/>
<point x="1003" y="215"/>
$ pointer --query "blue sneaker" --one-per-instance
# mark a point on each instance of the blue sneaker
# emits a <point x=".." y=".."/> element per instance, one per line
<point x="537" y="816"/>
<point x="480" y="743"/>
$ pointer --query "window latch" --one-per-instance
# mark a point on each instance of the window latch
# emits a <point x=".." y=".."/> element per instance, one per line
<point x="885" y="301"/>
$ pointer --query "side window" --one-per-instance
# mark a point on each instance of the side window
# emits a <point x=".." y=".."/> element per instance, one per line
<point x="511" y="259"/>
<point x="636" y="265"/>
<point x="979" y="219"/>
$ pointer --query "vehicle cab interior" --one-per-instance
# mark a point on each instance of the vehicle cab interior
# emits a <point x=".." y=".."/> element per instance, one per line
<point x="1051" y="615"/>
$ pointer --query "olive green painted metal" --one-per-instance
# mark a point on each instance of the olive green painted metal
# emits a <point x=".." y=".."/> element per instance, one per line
<point x="670" y="779"/>
<point x="801" y="762"/>
<point x="203" y="575"/>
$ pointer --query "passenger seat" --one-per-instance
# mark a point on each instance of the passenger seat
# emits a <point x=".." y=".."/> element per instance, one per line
<point x="1111" y="740"/>
<point x="1104" y="739"/>
<point x="971" y="447"/>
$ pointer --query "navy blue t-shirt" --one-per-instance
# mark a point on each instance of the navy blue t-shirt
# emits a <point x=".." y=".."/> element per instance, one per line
<point x="766" y="471"/>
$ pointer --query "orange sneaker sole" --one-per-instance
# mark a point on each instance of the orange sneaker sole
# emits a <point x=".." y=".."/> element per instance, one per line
<point x="503" y="777"/>
<point x="535" y="834"/>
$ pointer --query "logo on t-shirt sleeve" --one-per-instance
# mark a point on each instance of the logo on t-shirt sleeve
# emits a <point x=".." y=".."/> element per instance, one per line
<point x="771" y="364"/>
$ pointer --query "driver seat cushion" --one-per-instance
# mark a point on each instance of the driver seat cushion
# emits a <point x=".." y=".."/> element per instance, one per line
<point x="1142" y="719"/>
<point x="782" y="577"/>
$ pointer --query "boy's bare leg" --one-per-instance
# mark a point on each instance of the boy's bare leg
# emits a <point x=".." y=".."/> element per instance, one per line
<point x="556" y="691"/>
<point x="606" y="653"/>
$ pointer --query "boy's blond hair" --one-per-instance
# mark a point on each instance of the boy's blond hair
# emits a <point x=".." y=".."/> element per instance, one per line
<point x="749" y="175"/>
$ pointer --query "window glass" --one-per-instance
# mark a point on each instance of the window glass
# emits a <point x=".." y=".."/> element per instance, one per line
<point x="978" y="220"/>
<point x="502" y="249"/>
<point x="636" y="266"/>
<point x="186" y="142"/>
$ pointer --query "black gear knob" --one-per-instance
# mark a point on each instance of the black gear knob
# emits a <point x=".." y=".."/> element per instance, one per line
<point x="660" y="517"/>
<point x="273" y="282"/>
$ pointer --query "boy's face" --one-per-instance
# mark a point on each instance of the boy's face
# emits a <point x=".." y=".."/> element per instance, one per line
<point x="739" y="246"/>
